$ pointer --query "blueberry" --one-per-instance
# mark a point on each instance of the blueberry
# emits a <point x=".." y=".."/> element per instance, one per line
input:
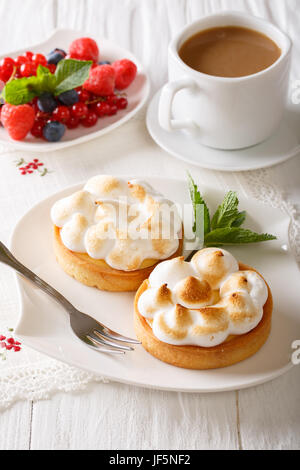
<point x="69" y="98"/>
<point x="55" y="57"/>
<point x="47" y="103"/>
<point x="53" y="131"/>
<point x="104" y="62"/>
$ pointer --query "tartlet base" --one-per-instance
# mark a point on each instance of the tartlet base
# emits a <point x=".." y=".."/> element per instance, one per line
<point x="97" y="273"/>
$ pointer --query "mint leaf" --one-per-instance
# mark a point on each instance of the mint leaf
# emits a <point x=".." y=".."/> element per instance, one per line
<point x="227" y="212"/>
<point x="70" y="74"/>
<point x="240" y="219"/>
<point x="46" y="80"/>
<point x="235" y="236"/>
<point x="197" y="201"/>
<point x="20" y="91"/>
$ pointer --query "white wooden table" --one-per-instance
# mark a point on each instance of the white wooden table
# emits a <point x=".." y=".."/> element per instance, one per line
<point x="266" y="417"/>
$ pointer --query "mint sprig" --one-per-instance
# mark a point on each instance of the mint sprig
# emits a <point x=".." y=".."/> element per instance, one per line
<point x="69" y="74"/>
<point x="225" y="226"/>
<point x="198" y="201"/>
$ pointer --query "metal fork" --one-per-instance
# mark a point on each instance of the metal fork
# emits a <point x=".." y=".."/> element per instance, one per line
<point x="93" y="333"/>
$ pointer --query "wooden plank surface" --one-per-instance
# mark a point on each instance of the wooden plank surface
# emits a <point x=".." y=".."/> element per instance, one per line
<point x="116" y="416"/>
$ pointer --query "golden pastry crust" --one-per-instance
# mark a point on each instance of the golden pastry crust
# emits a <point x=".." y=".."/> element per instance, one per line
<point x="97" y="273"/>
<point x="235" y="349"/>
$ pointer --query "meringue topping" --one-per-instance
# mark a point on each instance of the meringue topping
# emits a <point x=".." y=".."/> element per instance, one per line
<point x="122" y="222"/>
<point x="203" y="302"/>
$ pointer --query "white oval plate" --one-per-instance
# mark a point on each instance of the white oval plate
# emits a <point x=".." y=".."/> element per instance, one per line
<point x="137" y="94"/>
<point x="44" y="325"/>
<point x="282" y="146"/>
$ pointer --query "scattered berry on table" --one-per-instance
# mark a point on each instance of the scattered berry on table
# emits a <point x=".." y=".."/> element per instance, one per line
<point x="47" y="103"/>
<point x="84" y="49"/>
<point x="126" y="72"/>
<point x="56" y="56"/>
<point x="101" y="80"/>
<point x="79" y="110"/>
<point x="17" y="120"/>
<point x="69" y="98"/>
<point x="54" y="131"/>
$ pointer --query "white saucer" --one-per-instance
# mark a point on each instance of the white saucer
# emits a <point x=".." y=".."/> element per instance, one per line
<point x="137" y="94"/>
<point x="44" y="325"/>
<point x="284" y="145"/>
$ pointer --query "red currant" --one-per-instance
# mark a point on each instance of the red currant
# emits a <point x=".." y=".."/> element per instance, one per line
<point x="79" y="110"/>
<point x="101" y="108"/>
<point x="90" y="120"/>
<point x="4" y="75"/>
<point x="7" y="64"/>
<point x="28" y="55"/>
<point x="51" y="67"/>
<point x="84" y="95"/>
<point x="111" y="99"/>
<point x="61" y="114"/>
<point x="39" y="59"/>
<point x="73" y="122"/>
<point x="122" y="103"/>
<point x="112" y="110"/>
<point x="27" y="70"/>
<point x="20" y="60"/>
<point x="37" y="129"/>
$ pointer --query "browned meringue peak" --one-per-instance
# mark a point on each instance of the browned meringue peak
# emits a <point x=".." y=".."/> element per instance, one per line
<point x="240" y="308"/>
<point x="72" y="232"/>
<point x="235" y="282"/>
<point x="214" y="320"/>
<point x="123" y="257"/>
<point x="194" y="293"/>
<point x="182" y="321"/>
<point x="214" y="265"/>
<point x="137" y="191"/>
<point x="103" y="185"/>
<point x="163" y="296"/>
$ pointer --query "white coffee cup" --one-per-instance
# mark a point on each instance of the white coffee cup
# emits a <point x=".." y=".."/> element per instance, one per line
<point x="226" y="113"/>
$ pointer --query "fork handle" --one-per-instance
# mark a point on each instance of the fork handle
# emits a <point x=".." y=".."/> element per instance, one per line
<point x="7" y="258"/>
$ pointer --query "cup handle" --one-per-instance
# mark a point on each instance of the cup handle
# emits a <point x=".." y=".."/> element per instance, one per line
<point x="166" y="102"/>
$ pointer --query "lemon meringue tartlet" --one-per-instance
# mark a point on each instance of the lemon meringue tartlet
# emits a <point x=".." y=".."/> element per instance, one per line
<point x="110" y="235"/>
<point x="209" y="313"/>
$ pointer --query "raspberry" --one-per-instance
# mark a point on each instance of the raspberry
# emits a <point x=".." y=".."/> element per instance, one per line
<point x="84" y="49"/>
<point x="125" y="73"/>
<point x="17" y="120"/>
<point x="101" y="80"/>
